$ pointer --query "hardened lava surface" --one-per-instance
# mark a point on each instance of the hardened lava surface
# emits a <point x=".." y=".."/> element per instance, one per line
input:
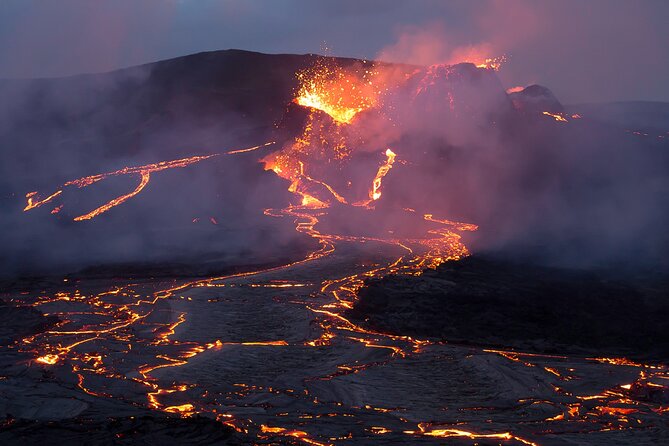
<point x="272" y="356"/>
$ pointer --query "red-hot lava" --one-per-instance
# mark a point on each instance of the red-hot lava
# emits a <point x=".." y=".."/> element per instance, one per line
<point x="124" y="318"/>
<point x="375" y="192"/>
<point x="143" y="172"/>
<point x="490" y="63"/>
<point x="340" y="93"/>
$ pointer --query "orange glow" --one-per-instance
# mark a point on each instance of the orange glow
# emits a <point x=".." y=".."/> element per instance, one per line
<point x="616" y="410"/>
<point x="300" y="435"/>
<point x="149" y="168"/>
<point x="271" y="430"/>
<point x="340" y="93"/>
<point x="33" y="203"/>
<point x="515" y="89"/>
<point x="574" y="410"/>
<point x="265" y="343"/>
<point x="446" y="433"/>
<point x="622" y="362"/>
<point x="250" y="149"/>
<point x="184" y="409"/>
<point x="312" y="202"/>
<point x="558" y="117"/>
<point x="116" y="201"/>
<point x="458" y="225"/>
<point x="144" y="171"/>
<point x="378" y="430"/>
<point x="48" y="359"/>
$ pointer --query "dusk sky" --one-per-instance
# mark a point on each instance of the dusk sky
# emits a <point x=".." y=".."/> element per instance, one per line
<point x="584" y="50"/>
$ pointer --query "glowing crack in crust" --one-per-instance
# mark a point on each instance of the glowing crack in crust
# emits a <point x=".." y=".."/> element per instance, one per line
<point x="340" y="93"/>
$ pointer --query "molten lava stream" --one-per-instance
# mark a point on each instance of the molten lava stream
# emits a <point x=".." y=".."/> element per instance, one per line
<point x="116" y="201"/>
<point x="130" y="317"/>
<point x="144" y="172"/>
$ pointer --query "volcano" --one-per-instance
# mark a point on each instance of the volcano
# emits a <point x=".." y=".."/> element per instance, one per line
<point x="464" y="137"/>
<point x="298" y="249"/>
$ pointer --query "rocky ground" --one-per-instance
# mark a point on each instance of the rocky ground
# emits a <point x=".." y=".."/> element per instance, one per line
<point x="486" y="301"/>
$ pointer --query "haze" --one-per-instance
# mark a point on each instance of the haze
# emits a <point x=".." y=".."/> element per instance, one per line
<point x="585" y="51"/>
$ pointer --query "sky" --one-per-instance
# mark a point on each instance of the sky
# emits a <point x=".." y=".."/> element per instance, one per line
<point x="584" y="50"/>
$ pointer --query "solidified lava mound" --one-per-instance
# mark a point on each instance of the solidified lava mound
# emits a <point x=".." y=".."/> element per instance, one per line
<point x="537" y="99"/>
<point x="493" y="302"/>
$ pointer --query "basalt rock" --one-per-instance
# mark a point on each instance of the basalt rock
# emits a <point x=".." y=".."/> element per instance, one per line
<point x="494" y="302"/>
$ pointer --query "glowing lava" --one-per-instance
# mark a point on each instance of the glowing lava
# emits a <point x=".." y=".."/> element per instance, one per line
<point x="33" y="203"/>
<point x="144" y="173"/>
<point x="491" y="63"/>
<point x="375" y="193"/>
<point x="340" y="93"/>
<point x="424" y="429"/>
<point x="557" y="116"/>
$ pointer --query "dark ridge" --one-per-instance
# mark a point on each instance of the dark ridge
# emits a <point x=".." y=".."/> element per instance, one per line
<point x="485" y="301"/>
<point x="536" y="99"/>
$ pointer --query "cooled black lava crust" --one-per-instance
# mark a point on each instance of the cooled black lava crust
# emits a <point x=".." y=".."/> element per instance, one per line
<point x="495" y="302"/>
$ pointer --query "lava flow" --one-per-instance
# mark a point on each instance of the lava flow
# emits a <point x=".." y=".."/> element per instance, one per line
<point x="375" y="193"/>
<point x="144" y="172"/>
<point x="337" y="92"/>
<point x="182" y="346"/>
